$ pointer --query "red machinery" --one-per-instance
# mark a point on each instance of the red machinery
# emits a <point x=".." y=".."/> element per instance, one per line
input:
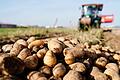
<point x="107" y="18"/>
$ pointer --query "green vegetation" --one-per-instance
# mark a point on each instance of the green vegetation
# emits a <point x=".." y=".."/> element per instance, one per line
<point x="12" y="32"/>
<point x="93" y="35"/>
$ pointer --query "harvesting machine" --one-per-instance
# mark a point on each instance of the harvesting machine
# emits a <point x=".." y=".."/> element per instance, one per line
<point x="91" y="17"/>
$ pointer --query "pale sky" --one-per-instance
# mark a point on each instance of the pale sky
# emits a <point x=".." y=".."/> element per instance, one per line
<point x="45" y="12"/>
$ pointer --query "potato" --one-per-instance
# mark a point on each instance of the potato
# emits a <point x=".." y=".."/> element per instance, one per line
<point x="22" y="42"/>
<point x="96" y="47"/>
<point x="45" y="70"/>
<point x="97" y="74"/>
<point x="69" y="58"/>
<point x="73" y="75"/>
<point x="13" y="65"/>
<point x="77" y="52"/>
<point x="80" y="67"/>
<point x="35" y="49"/>
<point x="50" y="59"/>
<point x="35" y="75"/>
<point x="54" y="78"/>
<point x="90" y="53"/>
<point x="59" y="70"/>
<point x="62" y="39"/>
<point x="112" y="66"/>
<point x="41" y="53"/>
<point x="31" y="39"/>
<point x="105" y="49"/>
<point x="80" y="45"/>
<point x="111" y="50"/>
<point x="24" y="54"/>
<point x="112" y="73"/>
<point x="98" y="52"/>
<point x="116" y="57"/>
<point x="101" y="62"/>
<point x="56" y="46"/>
<point x="31" y="62"/>
<point x="42" y="78"/>
<point x="39" y="43"/>
<point x="7" y="47"/>
<point x="16" y="49"/>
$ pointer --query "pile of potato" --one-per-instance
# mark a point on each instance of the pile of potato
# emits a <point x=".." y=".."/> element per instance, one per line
<point x="58" y="59"/>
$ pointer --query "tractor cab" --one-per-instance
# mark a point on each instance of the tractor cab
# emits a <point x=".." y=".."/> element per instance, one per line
<point x="91" y="10"/>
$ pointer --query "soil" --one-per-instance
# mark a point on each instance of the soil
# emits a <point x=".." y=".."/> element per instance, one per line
<point x="112" y="38"/>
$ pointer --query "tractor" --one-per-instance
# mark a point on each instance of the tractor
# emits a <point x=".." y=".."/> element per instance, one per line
<point x="90" y="17"/>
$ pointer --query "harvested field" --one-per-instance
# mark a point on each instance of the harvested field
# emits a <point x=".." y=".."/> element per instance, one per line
<point x="112" y="39"/>
<point x="59" y="54"/>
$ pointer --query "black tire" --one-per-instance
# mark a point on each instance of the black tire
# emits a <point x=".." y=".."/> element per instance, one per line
<point x="96" y="22"/>
<point x="81" y="26"/>
<point x="96" y="25"/>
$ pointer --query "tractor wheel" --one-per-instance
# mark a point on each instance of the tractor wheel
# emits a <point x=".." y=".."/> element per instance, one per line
<point x="96" y="22"/>
<point x="86" y="27"/>
<point x="97" y="25"/>
<point x="81" y="26"/>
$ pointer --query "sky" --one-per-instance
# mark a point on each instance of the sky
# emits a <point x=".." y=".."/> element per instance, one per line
<point x="46" y="12"/>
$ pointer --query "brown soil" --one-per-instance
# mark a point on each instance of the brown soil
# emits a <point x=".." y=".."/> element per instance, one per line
<point x="112" y="39"/>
